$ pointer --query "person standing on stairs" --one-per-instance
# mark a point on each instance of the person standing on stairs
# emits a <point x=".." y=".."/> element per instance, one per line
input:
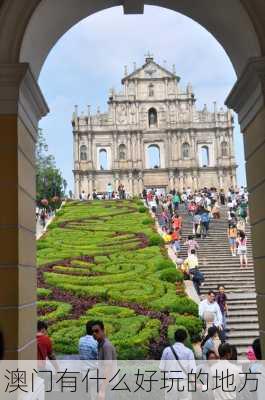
<point x="205" y="222"/>
<point x="210" y="313"/>
<point x="221" y="300"/>
<point x="232" y="237"/>
<point x="242" y="249"/>
<point x="192" y="244"/>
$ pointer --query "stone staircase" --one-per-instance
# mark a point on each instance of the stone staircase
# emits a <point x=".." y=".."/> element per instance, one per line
<point x="219" y="267"/>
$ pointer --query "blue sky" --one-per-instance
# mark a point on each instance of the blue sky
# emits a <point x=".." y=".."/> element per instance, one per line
<point x="89" y="59"/>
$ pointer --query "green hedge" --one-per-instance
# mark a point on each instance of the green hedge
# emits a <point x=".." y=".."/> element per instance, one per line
<point x="112" y="234"/>
<point x="194" y="325"/>
<point x="61" y="310"/>
<point x="129" y="333"/>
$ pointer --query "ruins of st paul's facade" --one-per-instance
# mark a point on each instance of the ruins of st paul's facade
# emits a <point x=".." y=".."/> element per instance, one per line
<point x="153" y="137"/>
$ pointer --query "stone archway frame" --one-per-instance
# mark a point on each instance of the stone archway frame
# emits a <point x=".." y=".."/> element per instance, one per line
<point x="28" y="31"/>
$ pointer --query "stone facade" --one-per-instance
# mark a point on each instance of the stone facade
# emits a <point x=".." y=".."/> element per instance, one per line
<point x="153" y="137"/>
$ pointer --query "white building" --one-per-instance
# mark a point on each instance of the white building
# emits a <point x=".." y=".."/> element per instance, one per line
<point x="154" y="137"/>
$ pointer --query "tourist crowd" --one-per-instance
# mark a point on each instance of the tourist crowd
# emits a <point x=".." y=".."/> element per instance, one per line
<point x="204" y="207"/>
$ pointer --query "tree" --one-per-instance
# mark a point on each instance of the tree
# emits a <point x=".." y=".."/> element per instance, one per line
<point x="49" y="180"/>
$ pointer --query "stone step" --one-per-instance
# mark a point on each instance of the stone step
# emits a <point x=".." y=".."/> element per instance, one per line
<point x="226" y="275"/>
<point x="218" y="266"/>
<point x="241" y="320"/>
<point x="235" y="278"/>
<point x="231" y="289"/>
<point x="239" y="307"/>
<point x="243" y="327"/>
<point x="246" y="312"/>
<point x="243" y="341"/>
<point x="238" y="334"/>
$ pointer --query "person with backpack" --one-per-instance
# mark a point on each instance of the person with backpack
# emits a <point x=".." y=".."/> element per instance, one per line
<point x="205" y="222"/>
<point x="185" y="360"/>
<point x="190" y="263"/>
<point x="197" y="279"/>
<point x="192" y="244"/>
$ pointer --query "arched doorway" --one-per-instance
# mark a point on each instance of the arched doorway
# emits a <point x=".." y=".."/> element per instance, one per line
<point x="153" y="156"/>
<point x="205" y="156"/>
<point x="103" y="159"/>
<point x="29" y="29"/>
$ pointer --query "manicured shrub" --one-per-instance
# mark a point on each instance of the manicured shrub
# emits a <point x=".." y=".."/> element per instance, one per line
<point x="59" y="310"/>
<point x="124" y="261"/>
<point x="194" y="325"/>
<point x="41" y="292"/>
<point x="60" y="213"/>
<point x="163" y="263"/>
<point x="155" y="240"/>
<point x="170" y="275"/>
<point x="130" y="333"/>
<point x="147" y="221"/>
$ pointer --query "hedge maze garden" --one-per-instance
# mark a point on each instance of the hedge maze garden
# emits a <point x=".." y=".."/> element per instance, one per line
<point x="104" y="260"/>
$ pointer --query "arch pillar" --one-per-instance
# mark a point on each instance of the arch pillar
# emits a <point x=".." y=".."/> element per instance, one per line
<point x="21" y="107"/>
<point x="247" y="98"/>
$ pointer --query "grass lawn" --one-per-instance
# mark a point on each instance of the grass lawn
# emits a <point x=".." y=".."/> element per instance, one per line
<point x="104" y="260"/>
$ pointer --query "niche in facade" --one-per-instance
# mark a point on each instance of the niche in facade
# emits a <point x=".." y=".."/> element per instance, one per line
<point x="83" y="153"/>
<point x="122" y="152"/>
<point x="224" y="149"/>
<point x="103" y="159"/>
<point x="205" y="158"/>
<point x="153" y="156"/>
<point x="185" y="151"/>
<point x="152" y="118"/>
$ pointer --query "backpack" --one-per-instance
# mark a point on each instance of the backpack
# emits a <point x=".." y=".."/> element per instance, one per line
<point x="205" y="217"/>
<point x="198" y="276"/>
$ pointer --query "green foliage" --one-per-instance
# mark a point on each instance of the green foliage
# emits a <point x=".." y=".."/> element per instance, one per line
<point x="127" y="263"/>
<point x="49" y="180"/>
<point x="194" y="325"/>
<point x="147" y="221"/>
<point x="60" y="311"/>
<point x="130" y="333"/>
<point x="163" y="263"/>
<point x="142" y="209"/>
<point x="155" y="240"/>
<point x="171" y="275"/>
<point x="41" y="292"/>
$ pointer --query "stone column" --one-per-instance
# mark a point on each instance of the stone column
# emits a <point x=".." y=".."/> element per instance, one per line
<point x="76" y="150"/>
<point x="114" y="152"/>
<point x="77" y="188"/>
<point x="140" y="183"/>
<point x="130" y="178"/>
<point x="171" y="180"/>
<point x="21" y="107"/>
<point x="179" y="155"/>
<point x="248" y="99"/>
<point x="181" y="181"/>
<point x="220" y="178"/>
<point x="169" y="149"/>
<point x="139" y="150"/>
<point x="90" y="184"/>
<point x="90" y="151"/>
<point x="116" y="181"/>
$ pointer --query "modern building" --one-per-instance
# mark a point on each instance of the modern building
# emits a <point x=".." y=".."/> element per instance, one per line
<point x="152" y="136"/>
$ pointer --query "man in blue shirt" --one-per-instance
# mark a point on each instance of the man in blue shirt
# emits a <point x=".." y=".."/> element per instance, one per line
<point x="88" y="347"/>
